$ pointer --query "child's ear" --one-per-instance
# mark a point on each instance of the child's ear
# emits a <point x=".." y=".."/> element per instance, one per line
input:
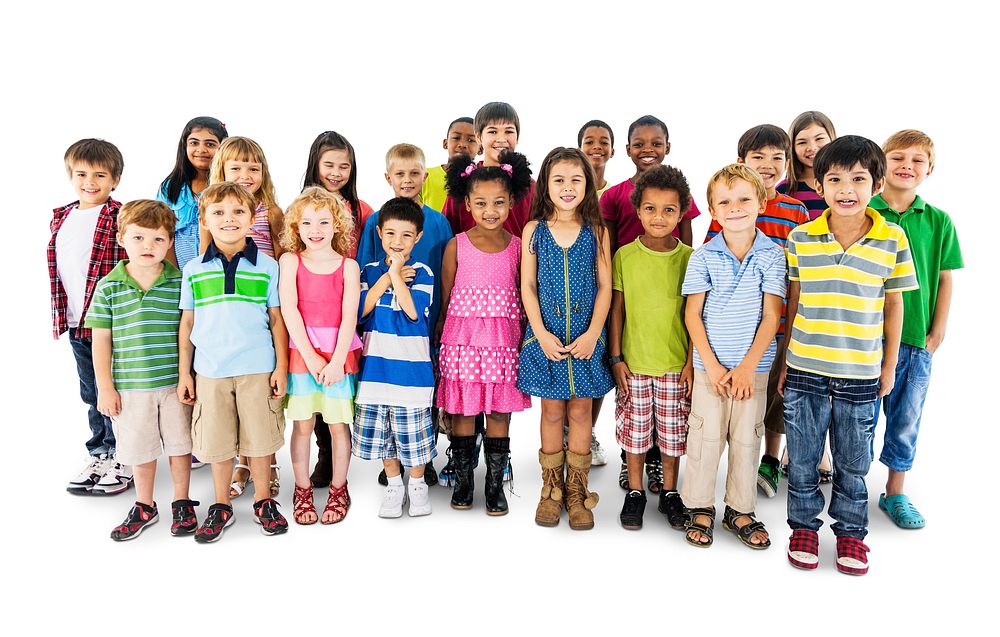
<point x="739" y="160"/>
<point x="930" y="169"/>
<point x="120" y="239"/>
<point x="666" y="149"/>
<point x="417" y="240"/>
<point x="378" y="229"/>
<point x="387" y="180"/>
<point x="444" y="143"/>
<point x="877" y="188"/>
<point x="116" y="182"/>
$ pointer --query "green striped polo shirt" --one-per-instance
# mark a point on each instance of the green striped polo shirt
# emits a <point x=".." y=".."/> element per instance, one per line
<point x="143" y="326"/>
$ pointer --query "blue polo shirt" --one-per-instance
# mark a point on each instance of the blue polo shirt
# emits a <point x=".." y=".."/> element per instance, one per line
<point x="734" y="302"/>
<point x="230" y="299"/>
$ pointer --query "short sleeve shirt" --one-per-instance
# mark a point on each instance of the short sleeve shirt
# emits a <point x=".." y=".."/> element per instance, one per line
<point x="616" y="207"/>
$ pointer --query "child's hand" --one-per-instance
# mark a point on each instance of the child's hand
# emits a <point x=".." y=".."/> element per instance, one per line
<point x="687" y="378"/>
<point x="933" y="341"/>
<point x="314" y="363"/>
<point x="552" y="347"/>
<point x="396" y="262"/>
<point x="715" y="373"/>
<point x="185" y="389"/>
<point x="622" y="375"/>
<point x="279" y="383"/>
<point x="740" y="382"/>
<point x="109" y="403"/>
<point x="408" y="273"/>
<point x="583" y="346"/>
<point x="781" y="380"/>
<point x="333" y="373"/>
<point x="886" y="381"/>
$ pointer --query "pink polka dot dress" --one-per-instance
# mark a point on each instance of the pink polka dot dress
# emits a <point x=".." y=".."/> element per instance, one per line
<point x="482" y="331"/>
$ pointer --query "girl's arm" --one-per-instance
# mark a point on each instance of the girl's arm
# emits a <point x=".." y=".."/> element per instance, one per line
<point x="939" y="322"/>
<point x="449" y="266"/>
<point x="276" y="225"/>
<point x="288" y="295"/>
<point x="334" y="371"/>
<point x="185" y="358"/>
<point x="619" y="370"/>
<point x="108" y="401"/>
<point x="583" y="347"/>
<point x="699" y="336"/>
<point x="552" y="347"/>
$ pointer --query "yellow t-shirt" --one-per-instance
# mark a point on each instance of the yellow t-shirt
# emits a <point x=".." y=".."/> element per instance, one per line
<point x="433" y="193"/>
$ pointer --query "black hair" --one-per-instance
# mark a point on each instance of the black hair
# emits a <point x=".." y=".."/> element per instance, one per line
<point x="496" y="112"/>
<point x="332" y="140"/>
<point x="596" y="123"/>
<point x="763" y="136"/>
<point x="648" y="120"/>
<point x="402" y="209"/>
<point x="459" y="179"/>
<point x="184" y="172"/>
<point x="846" y="151"/>
<point x="662" y="177"/>
<point x="460" y="120"/>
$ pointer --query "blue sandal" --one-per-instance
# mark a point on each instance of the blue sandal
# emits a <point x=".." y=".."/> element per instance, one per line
<point x="901" y="511"/>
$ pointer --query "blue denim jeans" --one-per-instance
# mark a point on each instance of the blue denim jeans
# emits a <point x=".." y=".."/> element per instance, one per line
<point x="815" y="404"/>
<point x="903" y="408"/>
<point x="102" y="437"/>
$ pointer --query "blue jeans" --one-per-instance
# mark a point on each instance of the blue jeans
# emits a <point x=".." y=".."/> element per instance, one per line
<point x="845" y="407"/>
<point x="102" y="437"/>
<point x="903" y="408"/>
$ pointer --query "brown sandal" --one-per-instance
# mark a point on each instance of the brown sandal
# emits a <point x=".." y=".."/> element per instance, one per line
<point x="338" y="502"/>
<point x="302" y="500"/>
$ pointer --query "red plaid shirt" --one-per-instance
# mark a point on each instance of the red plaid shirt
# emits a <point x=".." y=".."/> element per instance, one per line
<point x="107" y="253"/>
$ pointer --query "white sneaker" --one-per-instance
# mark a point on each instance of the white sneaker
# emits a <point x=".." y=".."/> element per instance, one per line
<point x="117" y="479"/>
<point x="393" y="499"/>
<point x="89" y="476"/>
<point x="597" y="456"/>
<point x="420" y="502"/>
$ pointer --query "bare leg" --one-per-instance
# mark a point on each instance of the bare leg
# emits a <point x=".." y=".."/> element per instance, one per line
<point x="340" y="436"/>
<point x="553" y="416"/>
<point x="580" y="424"/>
<point x="671" y="466"/>
<point x="299" y="448"/>
<point x="260" y="469"/>
<point x="635" y="463"/>
<point x="144" y="475"/>
<point x="894" y="485"/>
<point x="180" y="472"/>
<point x="222" y="473"/>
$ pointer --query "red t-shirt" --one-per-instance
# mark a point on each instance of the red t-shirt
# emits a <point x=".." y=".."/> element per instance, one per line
<point x="458" y="215"/>
<point x="616" y="207"/>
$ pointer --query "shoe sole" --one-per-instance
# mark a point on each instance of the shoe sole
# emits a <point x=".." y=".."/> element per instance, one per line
<point x="630" y="527"/>
<point x="800" y="564"/>
<point x="461" y="507"/>
<point x="581" y="527"/>
<point x="497" y="514"/>
<point x="103" y="492"/>
<point x="183" y="532"/>
<point x="765" y="487"/>
<point x="265" y="531"/>
<point x="851" y="570"/>
<point x="418" y="513"/>
<point x="153" y="521"/>
<point x="546" y="524"/>
<point x="79" y="490"/>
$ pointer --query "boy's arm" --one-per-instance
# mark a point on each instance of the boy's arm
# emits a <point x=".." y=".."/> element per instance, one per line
<point x="741" y="376"/>
<point x="939" y="322"/>
<point x="583" y="346"/>
<point x="892" y="329"/>
<point x="699" y="336"/>
<point x="373" y="294"/>
<point x="279" y="336"/>
<point x="108" y="400"/>
<point x="401" y="290"/>
<point x="185" y="358"/>
<point x="619" y="369"/>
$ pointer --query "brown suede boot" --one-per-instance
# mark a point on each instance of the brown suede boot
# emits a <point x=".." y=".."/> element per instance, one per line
<point x="551" y="504"/>
<point x="579" y="500"/>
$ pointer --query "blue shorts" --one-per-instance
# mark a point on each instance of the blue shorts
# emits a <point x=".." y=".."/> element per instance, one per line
<point x="383" y="432"/>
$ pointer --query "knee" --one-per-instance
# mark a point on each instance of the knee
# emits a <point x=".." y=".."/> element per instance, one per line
<point x="579" y="412"/>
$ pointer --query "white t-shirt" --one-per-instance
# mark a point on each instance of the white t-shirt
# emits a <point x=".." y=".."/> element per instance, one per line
<point x="74" y="247"/>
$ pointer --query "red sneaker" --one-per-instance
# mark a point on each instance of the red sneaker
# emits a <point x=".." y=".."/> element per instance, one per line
<point x="852" y="555"/>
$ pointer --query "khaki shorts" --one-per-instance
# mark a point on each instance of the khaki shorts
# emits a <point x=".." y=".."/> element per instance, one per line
<point x="151" y="423"/>
<point x="236" y="416"/>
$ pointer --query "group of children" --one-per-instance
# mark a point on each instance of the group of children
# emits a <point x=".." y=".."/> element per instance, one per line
<point x="201" y="319"/>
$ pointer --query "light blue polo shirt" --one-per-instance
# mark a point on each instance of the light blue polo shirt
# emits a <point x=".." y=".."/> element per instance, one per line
<point x="230" y="299"/>
<point x="734" y="302"/>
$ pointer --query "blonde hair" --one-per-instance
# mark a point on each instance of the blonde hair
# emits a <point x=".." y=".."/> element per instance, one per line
<point x="405" y="152"/>
<point x="318" y="198"/>
<point x="908" y="139"/>
<point x="147" y="213"/>
<point x="731" y="173"/>
<point x="217" y="193"/>
<point x="244" y="149"/>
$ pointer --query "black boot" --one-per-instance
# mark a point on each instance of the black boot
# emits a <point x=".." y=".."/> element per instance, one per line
<point x="323" y="471"/>
<point x="497" y="456"/>
<point x="461" y="460"/>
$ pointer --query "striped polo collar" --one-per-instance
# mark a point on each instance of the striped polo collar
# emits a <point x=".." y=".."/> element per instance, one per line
<point x="879" y="230"/>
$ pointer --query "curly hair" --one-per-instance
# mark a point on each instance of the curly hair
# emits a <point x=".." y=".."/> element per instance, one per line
<point x="662" y="177"/>
<point x="463" y="173"/>
<point x="319" y="198"/>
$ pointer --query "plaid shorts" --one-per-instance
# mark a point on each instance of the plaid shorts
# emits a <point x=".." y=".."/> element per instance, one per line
<point x="383" y="432"/>
<point x="653" y="399"/>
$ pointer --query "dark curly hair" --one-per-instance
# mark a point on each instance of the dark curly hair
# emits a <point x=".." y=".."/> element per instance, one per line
<point x="459" y="179"/>
<point x="662" y="177"/>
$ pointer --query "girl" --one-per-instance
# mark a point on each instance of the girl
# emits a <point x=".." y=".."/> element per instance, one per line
<point x="481" y="320"/>
<point x="199" y="141"/>
<point x="319" y="289"/>
<point x="241" y="160"/>
<point x="809" y="132"/>
<point x="566" y="289"/>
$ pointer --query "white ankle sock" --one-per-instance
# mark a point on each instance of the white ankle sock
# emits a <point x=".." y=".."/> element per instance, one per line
<point x="396" y="481"/>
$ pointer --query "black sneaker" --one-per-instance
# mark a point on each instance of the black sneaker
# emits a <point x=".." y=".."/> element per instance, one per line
<point x="430" y="474"/>
<point x="184" y="520"/>
<point x="672" y="506"/>
<point x="139" y="517"/>
<point x="271" y="521"/>
<point x="219" y="518"/>
<point x="382" y="478"/>
<point x="632" y="510"/>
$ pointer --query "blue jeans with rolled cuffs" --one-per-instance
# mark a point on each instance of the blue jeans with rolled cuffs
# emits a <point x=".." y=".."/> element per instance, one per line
<point x="815" y="404"/>
<point x="904" y="407"/>
<point x="102" y="436"/>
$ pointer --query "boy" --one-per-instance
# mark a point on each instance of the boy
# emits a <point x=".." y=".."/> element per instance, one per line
<point x="497" y="129"/>
<point x="82" y="251"/>
<point x="393" y="407"/>
<point x="765" y="148"/>
<point x="461" y="140"/>
<point x="734" y="285"/>
<point x="846" y="270"/>
<point x="231" y="329"/>
<point x="134" y="318"/>
<point x="597" y="141"/>
<point x="935" y="250"/>
<point x="649" y="350"/>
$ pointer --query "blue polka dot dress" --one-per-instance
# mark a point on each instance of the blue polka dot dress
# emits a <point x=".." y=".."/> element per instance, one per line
<point x="567" y="293"/>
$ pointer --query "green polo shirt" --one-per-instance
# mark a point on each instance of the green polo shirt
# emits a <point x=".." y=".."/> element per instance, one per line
<point x="934" y="245"/>
<point x="143" y="324"/>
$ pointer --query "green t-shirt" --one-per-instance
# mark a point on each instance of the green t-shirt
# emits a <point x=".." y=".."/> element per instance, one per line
<point x="934" y="246"/>
<point x="655" y="341"/>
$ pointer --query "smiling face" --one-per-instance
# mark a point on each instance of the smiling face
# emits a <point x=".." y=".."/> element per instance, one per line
<point x="906" y="168"/>
<point x="145" y="247"/>
<point x="398" y="237"/>
<point x="200" y="146"/>
<point x="807" y="143"/>
<point x="489" y="203"/>
<point x="406" y="176"/>
<point x="229" y="222"/>
<point x="647" y="147"/>
<point x="735" y="206"/>
<point x="316" y="228"/>
<point x="567" y="184"/>
<point x="248" y="174"/>
<point x="769" y="163"/>
<point x="93" y="184"/>
<point x="461" y="140"/>
<point x="334" y="169"/>
<point x="659" y="211"/>
<point x="496" y="138"/>
<point x="847" y="191"/>
<point x="596" y="145"/>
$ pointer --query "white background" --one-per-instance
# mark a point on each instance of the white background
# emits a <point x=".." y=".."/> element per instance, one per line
<point x="283" y="72"/>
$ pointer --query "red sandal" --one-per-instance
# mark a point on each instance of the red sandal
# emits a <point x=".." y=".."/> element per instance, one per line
<point x="302" y="500"/>
<point x="338" y="502"/>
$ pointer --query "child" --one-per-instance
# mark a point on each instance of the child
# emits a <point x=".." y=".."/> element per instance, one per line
<point x="134" y="318"/>
<point x="241" y="160"/>
<point x="650" y="354"/>
<point x="765" y="149"/>
<point x="82" y="251"/>
<point x="461" y="140"/>
<point x="497" y="129"/>
<point x="847" y="269"/>
<point x="199" y="142"/>
<point x="809" y="132"/>
<point x="232" y="332"/>
<point x="392" y="421"/>
<point x="566" y="289"/>
<point x="935" y="249"/>
<point x="734" y="285"/>
<point x="597" y="141"/>
<point x="482" y="325"/>
<point x="319" y="291"/>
